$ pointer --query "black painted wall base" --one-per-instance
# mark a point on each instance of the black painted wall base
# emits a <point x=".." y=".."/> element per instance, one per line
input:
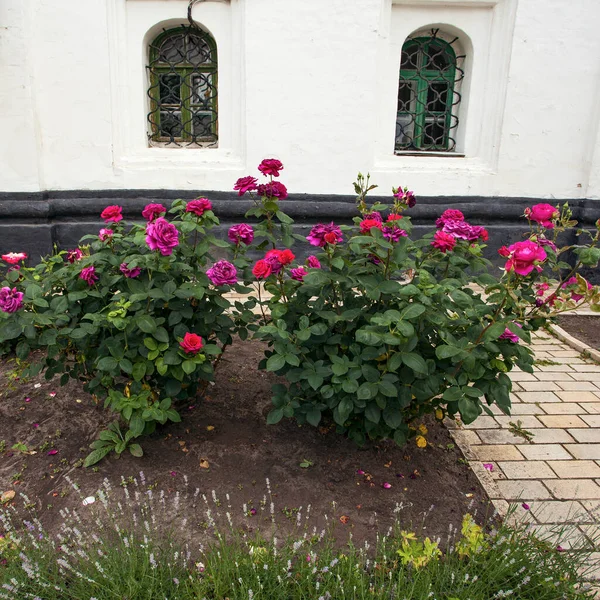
<point x="35" y="222"/>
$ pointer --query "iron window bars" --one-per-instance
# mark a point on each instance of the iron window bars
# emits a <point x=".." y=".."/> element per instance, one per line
<point x="427" y="95"/>
<point x="183" y="88"/>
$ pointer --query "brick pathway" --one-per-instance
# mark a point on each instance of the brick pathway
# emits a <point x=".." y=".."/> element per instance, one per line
<point x="557" y="473"/>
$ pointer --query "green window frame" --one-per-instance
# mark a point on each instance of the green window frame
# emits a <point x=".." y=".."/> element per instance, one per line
<point x="183" y="85"/>
<point x="428" y="97"/>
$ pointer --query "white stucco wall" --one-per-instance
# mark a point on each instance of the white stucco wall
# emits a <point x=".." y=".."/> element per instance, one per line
<point x="312" y="82"/>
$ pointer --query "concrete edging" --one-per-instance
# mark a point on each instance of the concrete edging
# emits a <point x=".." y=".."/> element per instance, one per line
<point x="574" y="343"/>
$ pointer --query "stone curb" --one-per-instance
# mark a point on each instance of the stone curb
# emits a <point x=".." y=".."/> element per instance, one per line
<point x="574" y="343"/>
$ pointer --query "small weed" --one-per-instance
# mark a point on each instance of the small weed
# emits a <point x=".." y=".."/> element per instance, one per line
<point x="290" y="513"/>
<point x="462" y="461"/>
<point x="544" y="362"/>
<point x="305" y="464"/>
<point x="517" y="429"/>
<point x="2" y="446"/>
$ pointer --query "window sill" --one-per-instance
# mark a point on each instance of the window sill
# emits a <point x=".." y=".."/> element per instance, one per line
<point x="430" y="153"/>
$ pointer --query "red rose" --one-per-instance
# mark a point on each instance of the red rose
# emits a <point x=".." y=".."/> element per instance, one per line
<point x="286" y="257"/>
<point x="394" y="217"/>
<point x="198" y="206"/>
<point x="367" y="224"/>
<point x="262" y="269"/>
<point x="270" y="166"/>
<point x="504" y="251"/>
<point x="112" y="214"/>
<point x="191" y="343"/>
<point x="331" y="238"/>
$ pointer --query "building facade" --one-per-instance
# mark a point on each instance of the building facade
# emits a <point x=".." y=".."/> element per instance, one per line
<point x="479" y="103"/>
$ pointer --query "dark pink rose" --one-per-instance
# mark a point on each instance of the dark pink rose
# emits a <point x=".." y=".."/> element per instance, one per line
<point x="451" y="214"/>
<point x="573" y="282"/>
<point x="245" y="184"/>
<point x="241" y="234"/>
<point x="406" y="197"/>
<point x="151" y="211"/>
<point x="393" y="234"/>
<point x="510" y="336"/>
<point x="317" y="235"/>
<point x="222" y="273"/>
<point x="542" y="241"/>
<point x="462" y="230"/>
<point x="74" y="255"/>
<point x="12" y="258"/>
<point x="198" y="206"/>
<point x="89" y="275"/>
<point x="273" y="189"/>
<point x="262" y="269"/>
<point x="374" y="215"/>
<point x="112" y="214"/>
<point x="131" y="273"/>
<point x="443" y="241"/>
<point x="162" y="236"/>
<point x="105" y="234"/>
<point x="298" y="273"/>
<point x="313" y="262"/>
<point x="272" y="258"/>
<point x="10" y="300"/>
<point x="524" y="257"/>
<point x="270" y="166"/>
<point x="543" y="214"/>
<point x="191" y="343"/>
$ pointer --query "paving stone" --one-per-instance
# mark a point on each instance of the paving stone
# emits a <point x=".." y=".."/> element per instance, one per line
<point x="540" y="397"/>
<point x="584" y="451"/>
<point x="566" y="353"/>
<point x="578" y="386"/>
<point x="544" y="452"/>
<point x="593" y="533"/>
<point x="593" y="508"/>
<point x="575" y="469"/>
<point x="497" y="452"/>
<point x="498" y="436"/>
<point x="541" y="386"/>
<point x="469" y="438"/>
<point x="587" y="368"/>
<point x="483" y="422"/>
<point x="523" y="489"/>
<point x="551" y="436"/>
<point x="546" y="346"/>
<point x="563" y="408"/>
<point x="522" y="376"/>
<point x="555" y="376"/>
<point x="555" y="511"/>
<point x="586" y="436"/>
<point x="593" y="408"/>
<point x="577" y="396"/>
<point x="527" y="421"/>
<point x="560" y="368"/>
<point x="573" y="489"/>
<point x="523" y="408"/>
<point x="569" y="537"/>
<point x="516" y="387"/>
<point x="526" y="469"/>
<point x="562" y="421"/>
<point x="592" y="420"/>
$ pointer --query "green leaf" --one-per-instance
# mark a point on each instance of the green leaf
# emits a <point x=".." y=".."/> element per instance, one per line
<point x="275" y="362"/>
<point x="136" y="450"/>
<point x="392" y="416"/>
<point x="350" y="386"/>
<point x="108" y="363"/>
<point x="413" y="311"/>
<point x="443" y="352"/>
<point x="387" y="388"/>
<point x="146" y="323"/>
<point x="137" y="424"/>
<point x="313" y="416"/>
<point x="373" y="412"/>
<point x="189" y="366"/>
<point x="275" y="416"/>
<point x="126" y="365"/>
<point x="161" y="335"/>
<point x="343" y="410"/>
<point x="33" y="291"/>
<point x="150" y="343"/>
<point x="319" y="329"/>
<point x="40" y="302"/>
<point x="469" y="409"/>
<point x="415" y="362"/>
<point x="96" y="456"/>
<point x="10" y="330"/>
<point x="139" y="371"/>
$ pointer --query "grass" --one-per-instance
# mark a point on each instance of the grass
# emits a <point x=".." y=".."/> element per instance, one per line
<point x="123" y="551"/>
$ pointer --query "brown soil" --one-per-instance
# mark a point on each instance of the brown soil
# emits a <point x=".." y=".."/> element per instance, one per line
<point x="584" y="328"/>
<point x="227" y="428"/>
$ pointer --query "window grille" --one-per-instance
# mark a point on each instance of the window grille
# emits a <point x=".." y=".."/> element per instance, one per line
<point x="183" y="88"/>
<point x="428" y="96"/>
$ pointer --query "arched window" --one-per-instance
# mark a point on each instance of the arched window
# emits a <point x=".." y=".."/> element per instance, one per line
<point x="428" y="94"/>
<point x="183" y="88"/>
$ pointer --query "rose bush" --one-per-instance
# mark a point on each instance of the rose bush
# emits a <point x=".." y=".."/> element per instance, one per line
<point x="379" y="330"/>
<point x="138" y="314"/>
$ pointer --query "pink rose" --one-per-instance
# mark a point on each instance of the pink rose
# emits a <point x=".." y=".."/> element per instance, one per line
<point x="105" y="234"/>
<point x="450" y="214"/>
<point x="510" y="336"/>
<point x="151" y="211"/>
<point x="317" y="235"/>
<point x="278" y="258"/>
<point x="89" y="275"/>
<point x="131" y="273"/>
<point x="10" y="300"/>
<point x="404" y="196"/>
<point x="462" y="230"/>
<point x="262" y="269"/>
<point x="12" y="258"/>
<point x="443" y="241"/>
<point x="74" y="255"/>
<point x="393" y="234"/>
<point x="270" y="166"/>
<point x="191" y="343"/>
<point x="241" y="234"/>
<point x="543" y="214"/>
<point x="573" y="282"/>
<point x="313" y="262"/>
<point x="162" y="235"/>
<point x="273" y="189"/>
<point x="112" y="214"/>
<point x="245" y="184"/>
<point x="198" y="206"/>
<point x="298" y="273"/>
<point x="374" y="215"/>
<point x="524" y="256"/>
<point x="222" y="273"/>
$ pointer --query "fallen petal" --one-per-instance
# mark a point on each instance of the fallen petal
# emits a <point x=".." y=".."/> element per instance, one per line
<point x="36" y="425"/>
<point x="89" y="500"/>
<point x="488" y="467"/>
<point x="525" y="505"/>
<point x="386" y="485"/>
<point x="52" y="452"/>
<point x="27" y="399"/>
<point x="360" y="472"/>
<point x="7" y="496"/>
<point x="173" y="473"/>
